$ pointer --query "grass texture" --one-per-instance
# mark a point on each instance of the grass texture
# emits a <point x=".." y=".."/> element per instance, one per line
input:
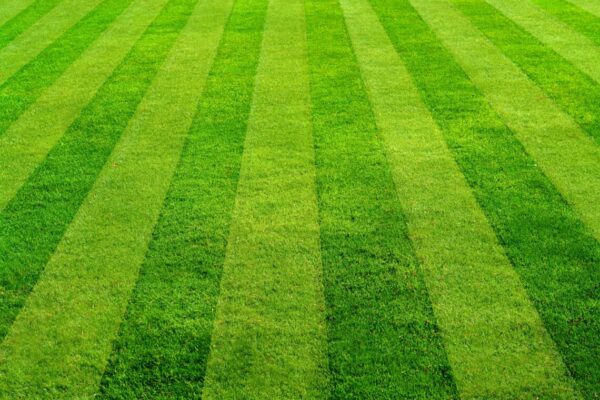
<point x="163" y="345"/>
<point x="383" y="340"/>
<point x="269" y="337"/>
<point x="77" y="311"/>
<point x="477" y="297"/>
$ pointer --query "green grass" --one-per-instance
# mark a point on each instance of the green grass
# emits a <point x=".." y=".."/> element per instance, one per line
<point x="21" y="90"/>
<point x="576" y="17"/>
<point x="77" y="311"/>
<point x="556" y="143"/>
<point x="554" y="254"/>
<point x="10" y="9"/>
<point x="41" y="34"/>
<point x="17" y="16"/>
<point x="487" y="321"/>
<point x="573" y="46"/>
<point x="269" y="338"/>
<point x="299" y="199"/>
<point x="383" y="338"/>
<point x="575" y="92"/>
<point x="28" y="140"/>
<point x="163" y="345"/>
<point x="591" y="6"/>
<point x="32" y="224"/>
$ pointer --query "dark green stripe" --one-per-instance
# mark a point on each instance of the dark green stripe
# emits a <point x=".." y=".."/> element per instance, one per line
<point x="383" y="338"/>
<point x="573" y="90"/>
<point x="164" y="340"/>
<point x="23" y="88"/>
<point x="554" y="254"/>
<point x="32" y="224"/>
<point x="23" y="20"/>
<point x="577" y="18"/>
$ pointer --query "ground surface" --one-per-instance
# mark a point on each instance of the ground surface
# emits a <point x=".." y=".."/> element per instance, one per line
<point x="300" y="199"/>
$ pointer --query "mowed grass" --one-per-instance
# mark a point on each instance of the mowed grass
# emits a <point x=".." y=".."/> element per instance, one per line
<point x="553" y="252"/>
<point x="299" y="199"/>
<point x="16" y="16"/>
<point x="164" y="340"/>
<point x="33" y="222"/>
<point x="59" y="358"/>
<point x="383" y="340"/>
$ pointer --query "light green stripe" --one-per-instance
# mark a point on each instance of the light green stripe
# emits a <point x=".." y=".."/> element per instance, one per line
<point x="29" y="44"/>
<point x="10" y="8"/>
<point x="269" y="336"/>
<point x="27" y="142"/>
<point x="496" y="341"/>
<point x="570" y="44"/>
<point x="80" y="298"/>
<point x="567" y="156"/>
<point x="591" y="6"/>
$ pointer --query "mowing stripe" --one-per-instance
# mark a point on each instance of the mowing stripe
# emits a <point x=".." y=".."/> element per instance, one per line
<point x="577" y="18"/>
<point x="591" y="6"/>
<point x="496" y="342"/>
<point x="567" y="156"/>
<point x="164" y="341"/>
<point x="573" y="46"/>
<point x="11" y="8"/>
<point x="21" y="90"/>
<point x="383" y="341"/>
<point x="27" y="142"/>
<point x="41" y="34"/>
<point x="23" y="20"/>
<point x="34" y="221"/>
<point x="269" y="337"/>
<point x="577" y="94"/>
<point x="79" y="301"/>
<point x="554" y="254"/>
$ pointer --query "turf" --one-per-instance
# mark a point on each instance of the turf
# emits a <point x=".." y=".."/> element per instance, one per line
<point x="477" y="297"/>
<point x="577" y="18"/>
<point x="269" y="338"/>
<point x="383" y="340"/>
<point x="555" y="141"/>
<point x="573" y="46"/>
<point x="35" y="133"/>
<point x="18" y="15"/>
<point x="32" y="224"/>
<point x="41" y="34"/>
<point x="554" y="254"/>
<point x="21" y="90"/>
<point x="299" y="199"/>
<point x="573" y="91"/>
<point x="163" y="344"/>
<point x="77" y="311"/>
<point x="590" y="6"/>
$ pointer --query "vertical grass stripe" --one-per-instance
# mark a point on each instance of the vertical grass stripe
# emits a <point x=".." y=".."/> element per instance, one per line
<point x="553" y="252"/>
<point x="591" y="6"/>
<point x="577" y="18"/>
<point x="269" y="337"/>
<point x="27" y="142"/>
<point x="577" y="94"/>
<point x="34" y="221"/>
<point x="163" y="344"/>
<point x="383" y="339"/>
<point x="12" y="8"/>
<point x="41" y="34"/>
<point x="567" y="156"/>
<point x="573" y="46"/>
<point x="80" y="299"/>
<point x="496" y="342"/>
<point x="22" y="89"/>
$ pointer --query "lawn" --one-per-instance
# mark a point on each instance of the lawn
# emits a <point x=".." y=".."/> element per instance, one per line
<point x="300" y="199"/>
